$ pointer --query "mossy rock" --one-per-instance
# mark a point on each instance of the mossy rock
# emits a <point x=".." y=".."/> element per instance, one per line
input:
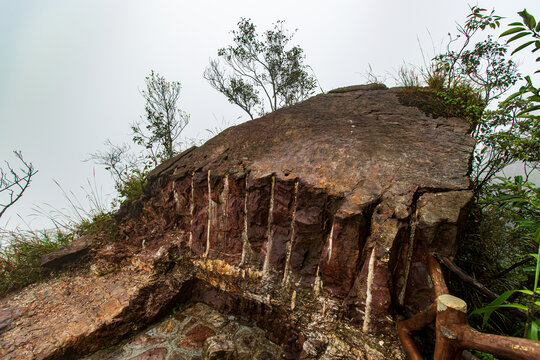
<point x="457" y="102"/>
<point x="366" y="87"/>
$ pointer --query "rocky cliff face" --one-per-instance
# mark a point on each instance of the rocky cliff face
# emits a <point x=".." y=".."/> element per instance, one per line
<point x="313" y="221"/>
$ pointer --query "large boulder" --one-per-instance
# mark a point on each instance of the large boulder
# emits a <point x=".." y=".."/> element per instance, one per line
<point x="314" y="221"/>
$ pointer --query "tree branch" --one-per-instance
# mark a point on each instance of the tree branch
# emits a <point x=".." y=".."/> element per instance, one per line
<point x="22" y="181"/>
<point x="469" y="280"/>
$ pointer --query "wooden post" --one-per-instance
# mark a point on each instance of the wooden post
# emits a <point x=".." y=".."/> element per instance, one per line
<point x="453" y="333"/>
<point x="450" y="311"/>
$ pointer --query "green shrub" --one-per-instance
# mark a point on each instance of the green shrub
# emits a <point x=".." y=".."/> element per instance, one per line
<point x="132" y="189"/>
<point x="464" y="102"/>
<point x="483" y="355"/>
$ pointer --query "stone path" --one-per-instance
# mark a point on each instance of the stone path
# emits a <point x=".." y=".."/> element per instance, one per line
<point x="198" y="332"/>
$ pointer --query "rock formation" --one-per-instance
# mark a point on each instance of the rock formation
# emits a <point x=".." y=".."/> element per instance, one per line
<point x="312" y="221"/>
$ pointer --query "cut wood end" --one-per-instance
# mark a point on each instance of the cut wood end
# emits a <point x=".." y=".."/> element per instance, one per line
<point x="448" y="301"/>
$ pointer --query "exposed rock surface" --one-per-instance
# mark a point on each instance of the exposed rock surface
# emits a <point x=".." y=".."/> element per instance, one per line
<point x="69" y="253"/>
<point x="312" y="221"/>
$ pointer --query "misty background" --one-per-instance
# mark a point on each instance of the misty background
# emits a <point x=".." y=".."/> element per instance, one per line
<point x="71" y="71"/>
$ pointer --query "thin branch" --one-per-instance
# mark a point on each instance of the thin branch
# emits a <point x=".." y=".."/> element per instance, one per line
<point x="510" y="268"/>
<point x="12" y="179"/>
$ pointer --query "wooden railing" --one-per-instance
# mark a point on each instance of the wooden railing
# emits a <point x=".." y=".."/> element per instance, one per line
<point x="453" y="333"/>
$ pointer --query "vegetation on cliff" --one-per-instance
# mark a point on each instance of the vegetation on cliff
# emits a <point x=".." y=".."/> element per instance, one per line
<point x="504" y="227"/>
<point x="260" y="71"/>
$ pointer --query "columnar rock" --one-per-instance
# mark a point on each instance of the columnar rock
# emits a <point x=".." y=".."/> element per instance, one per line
<point x="313" y="220"/>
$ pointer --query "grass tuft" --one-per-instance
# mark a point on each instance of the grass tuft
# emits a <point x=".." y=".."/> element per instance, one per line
<point x="21" y="255"/>
<point x="21" y="251"/>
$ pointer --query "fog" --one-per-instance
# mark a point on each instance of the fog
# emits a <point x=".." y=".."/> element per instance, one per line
<point x="71" y="71"/>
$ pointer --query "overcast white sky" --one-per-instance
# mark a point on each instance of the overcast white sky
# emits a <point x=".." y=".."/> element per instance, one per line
<point x="71" y="70"/>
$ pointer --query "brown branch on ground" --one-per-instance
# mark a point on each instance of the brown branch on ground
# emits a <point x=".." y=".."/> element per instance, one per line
<point x="507" y="270"/>
<point x="469" y="280"/>
<point x="453" y="333"/>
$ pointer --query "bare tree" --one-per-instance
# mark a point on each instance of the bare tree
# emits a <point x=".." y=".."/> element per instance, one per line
<point x="14" y="182"/>
<point x="119" y="161"/>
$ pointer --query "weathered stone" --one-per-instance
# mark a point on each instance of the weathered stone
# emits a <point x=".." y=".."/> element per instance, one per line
<point x="180" y="317"/>
<point x="245" y="340"/>
<point x="312" y="221"/>
<point x="189" y="325"/>
<point x="152" y="354"/>
<point x="69" y="253"/>
<point x="145" y="340"/>
<point x="166" y="327"/>
<point x="214" y="319"/>
<point x="5" y="320"/>
<point x="195" y="337"/>
<point x="177" y="356"/>
<point x="219" y="348"/>
<point x="265" y="355"/>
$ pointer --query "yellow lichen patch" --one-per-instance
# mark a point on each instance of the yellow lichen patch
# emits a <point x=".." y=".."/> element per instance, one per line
<point x="138" y="264"/>
<point x="522" y="347"/>
<point x="221" y="267"/>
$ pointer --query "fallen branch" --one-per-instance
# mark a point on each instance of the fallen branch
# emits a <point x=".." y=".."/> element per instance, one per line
<point x="506" y="271"/>
<point x="453" y="333"/>
<point x="449" y="264"/>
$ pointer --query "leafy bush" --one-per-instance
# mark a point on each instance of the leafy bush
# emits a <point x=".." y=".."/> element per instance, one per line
<point x="521" y="200"/>
<point x="460" y="101"/>
<point x="464" y="102"/>
<point x="132" y="188"/>
<point x="483" y="355"/>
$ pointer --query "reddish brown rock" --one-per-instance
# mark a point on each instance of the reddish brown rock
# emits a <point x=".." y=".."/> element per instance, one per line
<point x="177" y="356"/>
<point x="195" y="337"/>
<point x="72" y="252"/>
<point x="190" y="324"/>
<point x="313" y="221"/>
<point x="166" y="327"/>
<point x="180" y="317"/>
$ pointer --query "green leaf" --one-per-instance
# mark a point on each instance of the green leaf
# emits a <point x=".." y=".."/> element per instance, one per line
<point x="532" y="332"/>
<point x="518" y="36"/>
<point x="528" y="19"/>
<point x="529" y="110"/>
<point x="492" y="306"/>
<point x="513" y="96"/>
<point x="537" y="273"/>
<point x="513" y="305"/>
<point x="515" y="24"/>
<point x="522" y="46"/>
<point x="511" y="31"/>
